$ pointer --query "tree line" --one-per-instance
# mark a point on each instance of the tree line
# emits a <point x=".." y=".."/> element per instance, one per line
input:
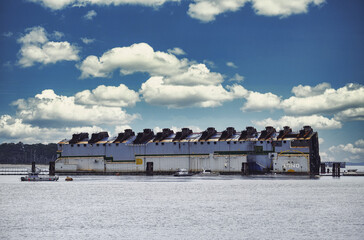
<point x="19" y="153"/>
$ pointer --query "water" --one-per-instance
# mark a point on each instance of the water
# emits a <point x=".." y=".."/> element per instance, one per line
<point x="166" y="207"/>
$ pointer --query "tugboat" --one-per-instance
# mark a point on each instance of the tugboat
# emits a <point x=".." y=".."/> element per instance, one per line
<point x="34" y="176"/>
<point x="182" y="173"/>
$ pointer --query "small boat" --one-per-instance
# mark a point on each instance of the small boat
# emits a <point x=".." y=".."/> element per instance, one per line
<point x="35" y="177"/>
<point x="68" y="179"/>
<point x="182" y="173"/>
<point x="207" y="172"/>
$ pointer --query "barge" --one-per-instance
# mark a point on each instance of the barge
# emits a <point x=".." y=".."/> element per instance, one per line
<point x="227" y="152"/>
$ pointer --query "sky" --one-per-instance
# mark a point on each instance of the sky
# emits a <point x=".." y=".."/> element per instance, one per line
<point x="70" y="66"/>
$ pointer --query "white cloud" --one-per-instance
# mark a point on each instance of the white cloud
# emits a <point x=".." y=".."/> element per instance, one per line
<point x="348" y="152"/>
<point x="322" y="99"/>
<point x="360" y="143"/>
<point x="256" y="101"/>
<point x="52" y="109"/>
<point x="110" y="96"/>
<point x="37" y="48"/>
<point x="157" y="92"/>
<point x="60" y="4"/>
<point x="196" y="74"/>
<point x="231" y="64"/>
<point x="203" y="10"/>
<point x="351" y="114"/>
<point x="237" y="78"/>
<point x="346" y="103"/>
<point x="315" y="121"/>
<point x="176" y="51"/>
<point x="90" y="15"/>
<point x="137" y="58"/>
<point x="207" y="10"/>
<point x="283" y="8"/>
<point x="142" y="58"/>
<point x="87" y="40"/>
<point x="308" y="91"/>
<point x="35" y="35"/>
<point x="15" y="130"/>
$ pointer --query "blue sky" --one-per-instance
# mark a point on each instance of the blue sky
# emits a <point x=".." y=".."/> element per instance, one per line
<point x="82" y="65"/>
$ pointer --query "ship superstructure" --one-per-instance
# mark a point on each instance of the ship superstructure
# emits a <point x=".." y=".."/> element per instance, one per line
<point x="227" y="152"/>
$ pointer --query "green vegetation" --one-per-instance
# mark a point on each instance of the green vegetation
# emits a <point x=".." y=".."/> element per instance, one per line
<point x="19" y="153"/>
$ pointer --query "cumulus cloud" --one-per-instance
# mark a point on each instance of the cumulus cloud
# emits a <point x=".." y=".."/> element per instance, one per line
<point x="142" y="58"/>
<point x="207" y="10"/>
<point x="283" y="8"/>
<point x="52" y="109"/>
<point x="203" y="10"/>
<point x="348" y="152"/>
<point x="351" y="114"/>
<point x="136" y="58"/>
<point x="308" y="91"/>
<point x="157" y="92"/>
<point x="90" y="15"/>
<point x="256" y="101"/>
<point x="110" y="96"/>
<point x="323" y="99"/>
<point x="15" y="130"/>
<point x="345" y="103"/>
<point x="36" y="48"/>
<point x="315" y="121"/>
<point x="176" y="51"/>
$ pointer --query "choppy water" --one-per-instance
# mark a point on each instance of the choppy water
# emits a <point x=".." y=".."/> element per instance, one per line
<point x="166" y="207"/>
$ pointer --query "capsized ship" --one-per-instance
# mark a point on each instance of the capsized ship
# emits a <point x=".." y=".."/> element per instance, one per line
<point x="226" y="152"/>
